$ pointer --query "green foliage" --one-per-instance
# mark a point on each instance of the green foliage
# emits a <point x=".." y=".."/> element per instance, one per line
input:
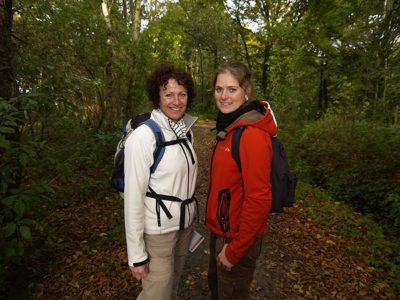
<point x="357" y="162"/>
<point x="44" y="166"/>
<point x="18" y="193"/>
<point x="81" y="78"/>
<point x="88" y="70"/>
<point x="82" y="169"/>
<point x="194" y="35"/>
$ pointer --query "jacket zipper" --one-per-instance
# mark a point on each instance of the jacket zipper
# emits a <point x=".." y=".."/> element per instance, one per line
<point x="210" y="175"/>
<point x="188" y="170"/>
<point x="224" y="199"/>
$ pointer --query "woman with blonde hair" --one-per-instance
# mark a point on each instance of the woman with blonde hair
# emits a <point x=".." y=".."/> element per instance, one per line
<point x="239" y="199"/>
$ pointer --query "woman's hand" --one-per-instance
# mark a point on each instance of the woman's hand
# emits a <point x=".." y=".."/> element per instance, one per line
<point x="222" y="261"/>
<point x="140" y="271"/>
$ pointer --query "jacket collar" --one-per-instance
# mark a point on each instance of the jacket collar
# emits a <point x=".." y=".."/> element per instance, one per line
<point x="162" y="120"/>
<point x="266" y="121"/>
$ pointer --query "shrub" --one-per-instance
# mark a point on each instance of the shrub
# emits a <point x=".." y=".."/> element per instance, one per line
<point x="358" y="162"/>
<point x="17" y="194"/>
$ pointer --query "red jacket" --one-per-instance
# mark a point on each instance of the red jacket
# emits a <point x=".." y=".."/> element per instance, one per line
<point x="239" y="202"/>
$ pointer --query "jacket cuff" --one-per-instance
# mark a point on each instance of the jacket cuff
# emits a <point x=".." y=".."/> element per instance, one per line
<point x="231" y="256"/>
<point x="138" y="264"/>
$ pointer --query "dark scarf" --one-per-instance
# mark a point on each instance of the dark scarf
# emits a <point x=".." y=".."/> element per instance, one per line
<point x="225" y="120"/>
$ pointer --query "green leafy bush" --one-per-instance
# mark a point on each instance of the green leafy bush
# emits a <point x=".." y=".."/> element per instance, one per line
<point x="358" y="162"/>
<point x="83" y="169"/>
<point x="48" y="160"/>
<point x="17" y="194"/>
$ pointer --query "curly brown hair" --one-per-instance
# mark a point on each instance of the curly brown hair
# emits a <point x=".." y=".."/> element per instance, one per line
<point x="160" y="76"/>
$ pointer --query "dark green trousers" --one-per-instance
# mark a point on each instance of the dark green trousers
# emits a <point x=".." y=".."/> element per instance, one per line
<point x="233" y="284"/>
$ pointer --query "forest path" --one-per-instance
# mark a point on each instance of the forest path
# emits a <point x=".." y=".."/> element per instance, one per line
<point x="302" y="258"/>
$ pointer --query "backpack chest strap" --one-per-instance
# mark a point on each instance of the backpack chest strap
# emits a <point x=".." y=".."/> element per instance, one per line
<point x="159" y="203"/>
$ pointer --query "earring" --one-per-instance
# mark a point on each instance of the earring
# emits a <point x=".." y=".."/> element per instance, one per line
<point x="246" y="98"/>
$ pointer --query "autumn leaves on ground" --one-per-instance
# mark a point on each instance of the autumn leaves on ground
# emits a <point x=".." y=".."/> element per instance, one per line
<point x="310" y="251"/>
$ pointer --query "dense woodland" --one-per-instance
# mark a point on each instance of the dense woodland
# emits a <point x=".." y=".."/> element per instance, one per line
<point x="73" y="71"/>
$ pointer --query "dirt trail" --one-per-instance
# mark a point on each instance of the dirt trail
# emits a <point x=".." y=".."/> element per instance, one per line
<point x="301" y="259"/>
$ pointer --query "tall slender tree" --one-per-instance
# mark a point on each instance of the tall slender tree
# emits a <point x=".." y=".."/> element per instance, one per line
<point x="7" y="81"/>
<point x="135" y="7"/>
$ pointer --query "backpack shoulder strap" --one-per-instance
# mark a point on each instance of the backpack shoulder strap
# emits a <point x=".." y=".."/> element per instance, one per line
<point x="160" y="143"/>
<point x="189" y="136"/>
<point x="236" y="135"/>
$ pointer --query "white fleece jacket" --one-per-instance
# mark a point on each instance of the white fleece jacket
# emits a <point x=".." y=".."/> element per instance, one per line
<point x="175" y="175"/>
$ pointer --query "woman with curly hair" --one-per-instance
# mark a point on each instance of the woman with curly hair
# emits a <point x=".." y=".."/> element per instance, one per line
<point x="160" y="207"/>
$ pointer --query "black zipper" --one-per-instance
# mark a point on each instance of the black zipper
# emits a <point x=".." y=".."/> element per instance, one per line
<point x="210" y="176"/>
<point x="224" y="203"/>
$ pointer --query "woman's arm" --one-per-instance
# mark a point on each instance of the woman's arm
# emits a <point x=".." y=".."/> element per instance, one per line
<point x="256" y="155"/>
<point x="139" y="149"/>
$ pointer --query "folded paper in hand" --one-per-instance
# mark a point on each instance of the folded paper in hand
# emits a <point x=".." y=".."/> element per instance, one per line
<point x="196" y="240"/>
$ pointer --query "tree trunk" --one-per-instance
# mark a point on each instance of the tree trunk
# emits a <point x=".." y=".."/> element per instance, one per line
<point x="8" y="89"/>
<point x="202" y="75"/>
<point x="242" y="34"/>
<point x="128" y="110"/>
<point x="7" y="82"/>
<point x="136" y="25"/>
<point x="323" y="86"/>
<point x="153" y="8"/>
<point x="106" y="13"/>
<point x="265" y="68"/>
<point x="134" y="6"/>
<point x="108" y="72"/>
<point x="385" y="48"/>
<point x="265" y="7"/>
<point x="243" y="38"/>
<point x="124" y="11"/>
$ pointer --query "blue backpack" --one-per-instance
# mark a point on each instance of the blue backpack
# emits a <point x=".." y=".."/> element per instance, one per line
<point x="118" y="176"/>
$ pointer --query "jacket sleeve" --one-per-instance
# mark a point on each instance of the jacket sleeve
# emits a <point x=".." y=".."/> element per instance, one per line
<point x="139" y="148"/>
<point x="256" y="154"/>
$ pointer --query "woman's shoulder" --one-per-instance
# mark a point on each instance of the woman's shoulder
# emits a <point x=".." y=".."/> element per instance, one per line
<point x="253" y="132"/>
<point x="139" y="135"/>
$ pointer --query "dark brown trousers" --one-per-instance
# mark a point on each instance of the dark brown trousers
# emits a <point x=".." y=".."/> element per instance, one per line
<point x="233" y="284"/>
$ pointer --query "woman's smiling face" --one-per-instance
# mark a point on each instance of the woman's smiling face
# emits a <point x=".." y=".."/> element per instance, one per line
<point x="173" y="100"/>
<point x="228" y="94"/>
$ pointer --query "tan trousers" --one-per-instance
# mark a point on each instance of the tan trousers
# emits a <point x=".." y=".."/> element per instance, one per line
<point x="167" y="254"/>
